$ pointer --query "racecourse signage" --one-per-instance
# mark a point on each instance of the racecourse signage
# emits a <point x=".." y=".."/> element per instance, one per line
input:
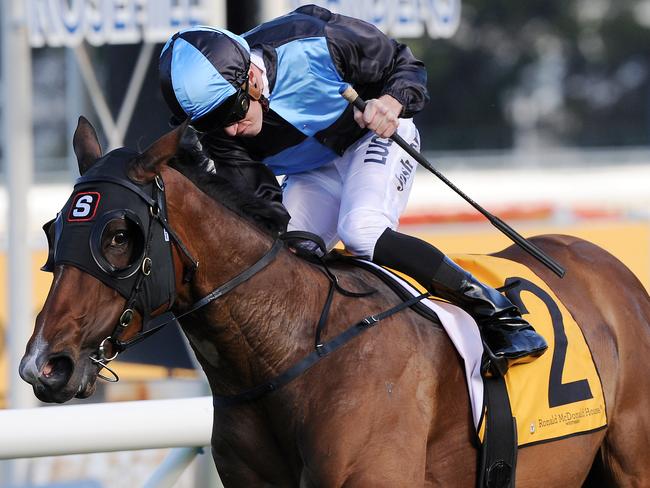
<point x="400" y="18"/>
<point x="69" y="22"/>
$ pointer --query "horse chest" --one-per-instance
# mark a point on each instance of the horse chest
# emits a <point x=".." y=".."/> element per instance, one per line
<point x="206" y="349"/>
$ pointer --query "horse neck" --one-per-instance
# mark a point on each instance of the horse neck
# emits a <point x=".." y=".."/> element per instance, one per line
<point x="253" y="331"/>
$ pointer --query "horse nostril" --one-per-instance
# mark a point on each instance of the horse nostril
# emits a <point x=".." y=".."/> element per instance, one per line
<point x="57" y="371"/>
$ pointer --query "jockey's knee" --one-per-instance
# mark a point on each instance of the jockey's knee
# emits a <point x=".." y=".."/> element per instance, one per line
<point x="360" y="230"/>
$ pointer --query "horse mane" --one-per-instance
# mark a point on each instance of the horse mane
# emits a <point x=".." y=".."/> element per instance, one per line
<point x="200" y="170"/>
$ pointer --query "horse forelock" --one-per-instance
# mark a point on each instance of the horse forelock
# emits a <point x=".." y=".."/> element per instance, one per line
<point x="200" y="171"/>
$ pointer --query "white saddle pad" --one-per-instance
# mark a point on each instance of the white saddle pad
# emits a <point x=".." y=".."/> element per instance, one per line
<point x="463" y="332"/>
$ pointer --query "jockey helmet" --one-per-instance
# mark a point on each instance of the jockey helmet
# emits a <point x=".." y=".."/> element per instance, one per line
<point x="204" y="76"/>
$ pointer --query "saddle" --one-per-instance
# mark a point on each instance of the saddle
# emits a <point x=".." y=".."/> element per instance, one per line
<point x="556" y="396"/>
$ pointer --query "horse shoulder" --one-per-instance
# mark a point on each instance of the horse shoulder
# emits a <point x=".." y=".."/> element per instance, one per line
<point x="400" y="384"/>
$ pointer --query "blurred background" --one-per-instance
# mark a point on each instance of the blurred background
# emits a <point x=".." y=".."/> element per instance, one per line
<point x="540" y="111"/>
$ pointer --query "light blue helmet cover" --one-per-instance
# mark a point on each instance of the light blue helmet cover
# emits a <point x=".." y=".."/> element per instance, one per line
<point x="200" y="68"/>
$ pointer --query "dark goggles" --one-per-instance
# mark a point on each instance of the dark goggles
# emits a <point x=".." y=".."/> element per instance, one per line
<point x="232" y="110"/>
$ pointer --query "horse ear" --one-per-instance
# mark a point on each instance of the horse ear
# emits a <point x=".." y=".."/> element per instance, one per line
<point x="147" y="165"/>
<point x="86" y="145"/>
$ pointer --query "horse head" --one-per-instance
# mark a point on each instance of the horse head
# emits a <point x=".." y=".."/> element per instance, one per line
<point x="102" y="246"/>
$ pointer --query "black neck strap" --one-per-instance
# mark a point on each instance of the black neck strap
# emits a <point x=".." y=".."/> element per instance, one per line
<point x="229" y="285"/>
<point x="308" y="361"/>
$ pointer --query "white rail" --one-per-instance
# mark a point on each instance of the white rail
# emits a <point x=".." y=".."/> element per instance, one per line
<point x="105" y="427"/>
<point x="172" y="467"/>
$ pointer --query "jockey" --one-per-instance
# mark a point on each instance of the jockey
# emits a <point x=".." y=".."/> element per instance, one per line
<point x="272" y="96"/>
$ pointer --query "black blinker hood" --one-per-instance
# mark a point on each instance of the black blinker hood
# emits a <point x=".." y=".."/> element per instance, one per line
<point x="105" y="191"/>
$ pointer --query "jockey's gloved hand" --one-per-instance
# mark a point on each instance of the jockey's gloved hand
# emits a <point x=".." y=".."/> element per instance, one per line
<point x="274" y="214"/>
<point x="190" y="143"/>
<point x="174" y="122"/>
<point x="258" y="182"/>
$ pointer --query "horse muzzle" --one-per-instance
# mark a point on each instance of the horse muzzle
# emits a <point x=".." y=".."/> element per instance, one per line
<point x="50" y="376"/>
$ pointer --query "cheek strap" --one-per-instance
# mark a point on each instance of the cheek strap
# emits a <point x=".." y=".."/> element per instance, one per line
<point x="254" y="91"/>
<point x="264" y="102"/>
<point x="255" y="94"/>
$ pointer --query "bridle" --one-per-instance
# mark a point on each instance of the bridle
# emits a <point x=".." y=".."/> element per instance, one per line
<point x="166" y="318"/>
<point x="150" y="206"/>
<point x="148" y="202"/>
<point x="157" y="210"/>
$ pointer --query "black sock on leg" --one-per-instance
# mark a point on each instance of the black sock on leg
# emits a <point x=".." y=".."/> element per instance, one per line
<point x="416" y="258"/>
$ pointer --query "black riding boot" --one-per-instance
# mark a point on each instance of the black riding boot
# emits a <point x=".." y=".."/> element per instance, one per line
<point x="509" y="337"/>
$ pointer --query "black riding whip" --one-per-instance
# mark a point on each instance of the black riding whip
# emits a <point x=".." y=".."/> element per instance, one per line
<point x="351" y="95"/>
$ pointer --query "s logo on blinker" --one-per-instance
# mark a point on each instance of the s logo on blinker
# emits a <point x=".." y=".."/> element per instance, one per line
<point x="84" y="206"/>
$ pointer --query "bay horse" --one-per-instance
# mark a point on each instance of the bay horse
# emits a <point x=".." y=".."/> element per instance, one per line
<point x="390" y="408"/>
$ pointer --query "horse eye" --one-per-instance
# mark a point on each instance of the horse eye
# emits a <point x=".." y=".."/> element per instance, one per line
<point x="120" y="238"/>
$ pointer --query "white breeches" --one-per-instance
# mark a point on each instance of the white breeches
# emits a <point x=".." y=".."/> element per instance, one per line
<point x="358" y="195"/>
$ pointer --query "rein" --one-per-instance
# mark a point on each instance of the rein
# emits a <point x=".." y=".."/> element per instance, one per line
<point x="157" y="210"/>
<point x="322" y="350"/>
<point x="169" y="317"/>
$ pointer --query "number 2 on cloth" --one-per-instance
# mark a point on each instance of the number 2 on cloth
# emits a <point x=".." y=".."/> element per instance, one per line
<point x="558" y="393"/>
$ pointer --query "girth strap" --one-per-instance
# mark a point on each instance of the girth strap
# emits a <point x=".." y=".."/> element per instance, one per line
<point x="308" y="361"/>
